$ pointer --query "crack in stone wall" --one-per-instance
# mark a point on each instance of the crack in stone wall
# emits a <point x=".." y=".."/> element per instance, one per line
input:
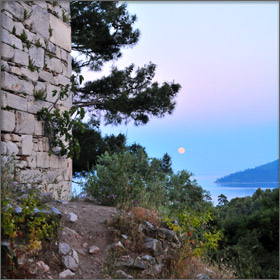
<point x="35" y="56"/>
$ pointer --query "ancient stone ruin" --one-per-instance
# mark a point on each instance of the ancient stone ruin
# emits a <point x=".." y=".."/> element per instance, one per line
<point x="35" y="61"/>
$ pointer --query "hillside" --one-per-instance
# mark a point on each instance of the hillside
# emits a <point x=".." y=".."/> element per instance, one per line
<point x="265" y="173"/>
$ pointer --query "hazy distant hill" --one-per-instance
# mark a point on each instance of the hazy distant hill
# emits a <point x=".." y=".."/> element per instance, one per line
<point x="265" y="173"/>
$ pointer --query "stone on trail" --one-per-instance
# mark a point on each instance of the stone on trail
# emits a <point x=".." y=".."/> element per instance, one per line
<point x="66" y="273"/>
<point x="72" y="217"/>
<point x="44" y="267"/>
<point x="93" y="250"/>
<point x="123" y="275"/>
<point x="70" y="263"/>
<point x="63" y="248"/>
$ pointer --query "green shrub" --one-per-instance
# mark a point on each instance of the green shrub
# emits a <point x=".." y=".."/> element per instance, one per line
<point x="23" y="222"/>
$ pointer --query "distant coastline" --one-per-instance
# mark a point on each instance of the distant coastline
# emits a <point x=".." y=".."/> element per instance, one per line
<point x="264" y="174"/>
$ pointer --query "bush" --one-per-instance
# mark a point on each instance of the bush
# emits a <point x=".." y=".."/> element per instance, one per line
<point x="22" y="222"/>
<point x="126" y="179"/>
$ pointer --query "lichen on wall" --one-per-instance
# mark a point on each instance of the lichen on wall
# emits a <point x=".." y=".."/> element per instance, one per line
<point x="35" y="61"/>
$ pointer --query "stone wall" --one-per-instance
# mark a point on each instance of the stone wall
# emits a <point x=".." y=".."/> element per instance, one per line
<point x="35" y="58"/>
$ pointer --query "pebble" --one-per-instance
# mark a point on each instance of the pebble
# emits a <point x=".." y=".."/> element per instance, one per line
<point x="93" y="250"/>
<point x="43" y="266"/>
<point x="72" y="217"/>
<point x="85" y="245"/>
<point x="66" y="273"/>
<point x="122" y="274"/>
<point x="124" y="236"/>
<point x="70" y="263"/>
<point x="64" y="248"/>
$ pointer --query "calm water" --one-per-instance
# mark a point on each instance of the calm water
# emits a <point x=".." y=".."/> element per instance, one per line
<point x="231" y="190"/>
<point x="207" y="183"/>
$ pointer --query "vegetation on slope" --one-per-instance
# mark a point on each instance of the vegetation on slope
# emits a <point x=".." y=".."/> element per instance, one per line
<point x="265" y="173"/>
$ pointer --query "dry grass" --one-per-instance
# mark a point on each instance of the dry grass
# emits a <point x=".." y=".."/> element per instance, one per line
<point x="143" y="214"/>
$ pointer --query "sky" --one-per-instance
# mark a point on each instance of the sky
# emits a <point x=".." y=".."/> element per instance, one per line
<point x="225" y="55"/>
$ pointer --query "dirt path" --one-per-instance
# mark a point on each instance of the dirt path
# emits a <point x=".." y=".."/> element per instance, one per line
<point x="91" y="228"/>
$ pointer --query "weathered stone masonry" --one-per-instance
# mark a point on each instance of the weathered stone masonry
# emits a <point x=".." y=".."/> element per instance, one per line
<point x="35" y="58"/>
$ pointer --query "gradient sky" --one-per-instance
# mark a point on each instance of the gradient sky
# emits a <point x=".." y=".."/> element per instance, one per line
<point x="225" y="56"/>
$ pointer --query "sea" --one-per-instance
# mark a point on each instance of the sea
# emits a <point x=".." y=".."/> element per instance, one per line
<point x="231" y="190"/>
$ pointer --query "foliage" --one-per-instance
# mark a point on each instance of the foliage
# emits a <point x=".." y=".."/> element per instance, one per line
<point x="58" y="125"/>
<point x="184" y="193"/>
<point x="21" y="221"/>
<point x="131" y="177"/>
<point x="123" y="178"/>
<point x="265" y="173"/>
<point x="251" y="234"/>
<point x="92" y="145"/>
<point x="123" y="95"/>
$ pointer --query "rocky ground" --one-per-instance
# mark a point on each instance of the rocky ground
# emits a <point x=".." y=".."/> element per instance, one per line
<point x="84" y="229"/>
<point x="97" y="242"/>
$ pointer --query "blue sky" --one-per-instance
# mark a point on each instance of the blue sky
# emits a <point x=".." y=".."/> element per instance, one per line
<point x="225" y="56"/>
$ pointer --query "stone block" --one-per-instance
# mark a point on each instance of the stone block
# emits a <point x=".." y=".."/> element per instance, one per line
<point x="24" y="123"/>
<point x="3" y="148"/>
<point x="7" y="22"/>
<point x="26" y="87"/>
<point x="69" y="64"/>
<point x="3" y="99"/>
<point x="65" y="70"/>
<point x="7" y="121"/>
<point x="61" y="80"/>
<point x="12" y="83"/>
<point x="11" y="137"/>
<point x="40" y="145"/>
<point x="19" y="28"/>
<point x="66" y="174"/>
<point x="64" y="55"/>
<point x="51" y="47"/>
<point x="43" y="160"/>
<point x="35" y="106"/>
<point x="50" y="89"/>
<point x="21" y="58"/>
<point x="27" y="73"/>
<point x="42" y="4"/>
<point x="46" y="76"/>
<point x="58" y="52"/>
<point x="39" y="129"/>
<point x="62" y="162"/>
<point x="54" y="64"/>
<point x="7" y="52"/>
<point x="37" y="55"/>
<point x="14" y="8"/>
<point x="31" y="161"/>
<point x="21" y="164"/>
<point x="54" y="161"/>
<point x="17" y="102"/>
<point x="46" y="146"/>
<point x="15" y="70"/>
<point x="61" y="34"/>
<point x="67" y="103"/>
<point x="11" y="40"/>
<point x="41" y="40"/>
<point x="70" y="167"/>
<point x="54" y="176"/>
<point x="5" y="66"/>
<point x="30" y="176"/>
<point x="58" y="10"/>
<point x="12" y="148"/>
<point x="27" y="145"/>
<point x="65" y="5"/>
<point x="40" y="21"/>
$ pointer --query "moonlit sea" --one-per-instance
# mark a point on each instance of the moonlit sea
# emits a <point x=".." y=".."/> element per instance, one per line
<point x="231" y="191"/>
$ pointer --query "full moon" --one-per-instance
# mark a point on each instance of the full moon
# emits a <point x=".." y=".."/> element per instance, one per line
<point x="181" y="150"/>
